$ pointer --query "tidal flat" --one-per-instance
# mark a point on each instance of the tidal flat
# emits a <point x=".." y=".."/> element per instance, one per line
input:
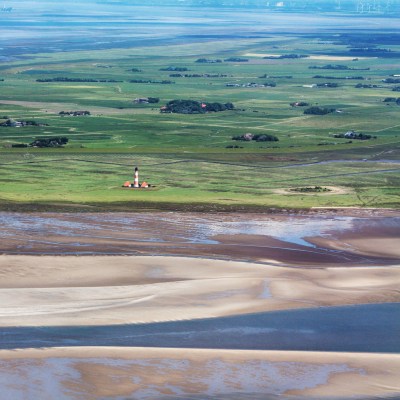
<point x="111" y="305"/>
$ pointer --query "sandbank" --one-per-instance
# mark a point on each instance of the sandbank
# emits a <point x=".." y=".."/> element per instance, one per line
<point x="151" y="373"/>
<point x="95" y="290"/>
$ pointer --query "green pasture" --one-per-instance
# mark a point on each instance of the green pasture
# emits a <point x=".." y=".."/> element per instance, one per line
<point x="186" y="157"/>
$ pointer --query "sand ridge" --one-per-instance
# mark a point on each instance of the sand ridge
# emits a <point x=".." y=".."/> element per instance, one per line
<point x="128" y="289"/>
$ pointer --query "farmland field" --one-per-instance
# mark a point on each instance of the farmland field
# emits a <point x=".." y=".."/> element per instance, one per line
<point x="190" y="159"/>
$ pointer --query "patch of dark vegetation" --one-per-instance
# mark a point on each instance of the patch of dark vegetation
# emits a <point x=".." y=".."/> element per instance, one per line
<point x="366" y="86"/>
<point x="74" y="113"/>
<point x="252" y="84"/>
<point x="392" y="100"/>
<point x="361" y="78"/>
<point x="354" y="135"/>
<point x="198" y="75"/>
<point x="208" y="61"/>
<point x="52" y="142"/>
<point x="11" y="123"/>
<point x="327" y="85"/>
<point x="234" y="147"/>
<point x="391" y="80"/>
<point x="248" y="137"/>
<point x="275" y="76"/>
<point x="311" y="189"/>
<point x="194" y="107"/>
<point x="178" y="69"/>
<point x="338" y="67"/>
<point x="58" y="141"/>
<point x="319" y="110"/>
<point x="286" y="56"/>
<point x="143" y="206"/>
<point x="134" y="70"/>
<point x="19" y="145"/>
<point x="94" y="171"/>
<point x="396" y="89"/>
<point x="80" y="80"/>
<point x="236" y="59"/>
<point x="163" y="82"/>
<point x="146" y="100"/>
<point x="2" y="80"/>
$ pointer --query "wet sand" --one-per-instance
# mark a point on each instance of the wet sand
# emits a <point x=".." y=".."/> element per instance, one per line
<point x="93" y="270"/>
<point x="149" y="374"/>
<point x="294" y="240"/>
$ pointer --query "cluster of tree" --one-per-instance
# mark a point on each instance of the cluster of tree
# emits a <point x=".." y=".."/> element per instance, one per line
<point x="276" y="76"/>
<point x="311" y="189"/>
<point x="354" y="135"/>
<point x="50" y="142"/>
<point x="134" y="70"/>
<point x="19" y="145"/>
<point x="179" y="69"/>
<point x="361" y="78"/>
<point x="319" y="110"/>
<point x="208" y="61"/>
<point x="80" y="80"/>
<point x="59" y="141"/>
<point x="74" y="113"/>
<point x="299" y="104"/>
<point x="366" y="86"/>
<point x="13" y="123"/>
<point x="236" y="59"/>
<point x="328" y="85"/>
<point x="396" y="89"/>
<point x="163" y="82"/>
<point x="284" y="56"/>
<point x="194" y="107"/>
<point x="338" y="67"/>
<point x="198" y="75"/>
<point x="391" y="80"/>
<point x="392" y="100"/>
<point x="248" y="137"/>
<point x="373" y="51"/>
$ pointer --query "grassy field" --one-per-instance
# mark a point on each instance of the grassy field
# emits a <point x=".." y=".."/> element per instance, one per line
<point x="186" y="157"/>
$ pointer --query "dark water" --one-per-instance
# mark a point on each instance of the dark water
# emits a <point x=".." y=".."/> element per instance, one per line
<point x="364" y="328"/>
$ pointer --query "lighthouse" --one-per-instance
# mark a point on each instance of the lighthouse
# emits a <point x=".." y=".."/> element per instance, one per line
<point x="136" y="180"/>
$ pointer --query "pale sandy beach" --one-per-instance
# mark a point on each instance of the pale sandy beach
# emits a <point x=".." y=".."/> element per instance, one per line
<point x="96" y="290"/>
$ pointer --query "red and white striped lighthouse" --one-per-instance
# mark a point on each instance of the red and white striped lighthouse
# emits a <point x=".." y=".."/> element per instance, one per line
<point x="136" y="181"/>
